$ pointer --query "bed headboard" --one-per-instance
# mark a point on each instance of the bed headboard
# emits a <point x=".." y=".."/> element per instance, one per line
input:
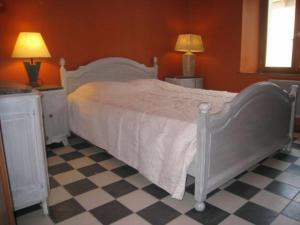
<point x="107" y="69"/>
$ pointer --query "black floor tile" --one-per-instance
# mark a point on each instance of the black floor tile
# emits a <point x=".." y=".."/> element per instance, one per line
<point x="53" y="183"/>
<point x="59" y="168"/>
<point x="296" y="146"/>
<point x="158" y="213"/>
<point x="285" y="157"/>
<point x="71" y="155"/>
<point x="125" y="171"/>
<point x="155" y="191"/>
<point x="100" y="156"/>
<point x="79" y="187"/>
<point x="256" y="214"/>
<point x="50" y="153"/>
<point x="210" y="216"/>
<point x="110" y="212"/>
<point x="190" y="189"/>
<point x="65" y="210"/>
<point x="82" y="145"/>
<point x="91" y="170"/>
<point x="292" y="211"/>
<point x="295" y="169"/>
<point x="119" y="188"/>
<point x="26" y="210"/>
<point x="282" y="189"/>
<point x="55" y="145"/>
<point x="267" y="171"/>
<point x="242" y="189"/>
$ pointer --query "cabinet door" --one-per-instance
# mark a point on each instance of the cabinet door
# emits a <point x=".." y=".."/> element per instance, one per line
<point x="55" y="115"/>
<point x="24" y="154"/>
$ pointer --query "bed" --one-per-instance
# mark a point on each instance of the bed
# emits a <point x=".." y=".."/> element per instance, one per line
<point x="166" y="131"/>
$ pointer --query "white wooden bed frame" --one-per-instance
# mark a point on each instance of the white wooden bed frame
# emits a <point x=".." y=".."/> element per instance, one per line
<point x="256" y="123"/>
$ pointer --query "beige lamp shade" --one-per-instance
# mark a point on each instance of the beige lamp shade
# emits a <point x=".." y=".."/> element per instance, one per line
<point x="30" y="45"/>
<point x="189" y="43"/>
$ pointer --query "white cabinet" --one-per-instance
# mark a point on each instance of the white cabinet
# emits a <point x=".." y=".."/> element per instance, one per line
<point x="54" y="103"/>
<point x="190" y="82"/>
<point x="24" y="147"/>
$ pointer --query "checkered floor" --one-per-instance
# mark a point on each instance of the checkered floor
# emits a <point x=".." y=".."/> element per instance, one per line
<point x="89" y="186"/>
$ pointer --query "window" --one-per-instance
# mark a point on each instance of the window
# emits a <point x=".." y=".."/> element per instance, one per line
<point x="280" y="36"/>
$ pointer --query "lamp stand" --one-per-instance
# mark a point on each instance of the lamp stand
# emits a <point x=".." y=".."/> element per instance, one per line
<point x="32" y="72"/>
<point x="188" y="64"/>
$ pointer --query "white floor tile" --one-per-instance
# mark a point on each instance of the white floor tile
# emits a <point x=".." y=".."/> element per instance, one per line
<point x="105" y="178"/>
<point x="132" y="219"/>
<point x="63" y="150"/>
<point x="256" y="180"/>
<point x="297" y="162"/>
<point x="283" y="220"/>
<point x="184" y="205"/>
<point x="270" y="201"/>
<point x="297" y="199"/>
<point x="111" y="163"/>
<point x="276" y="164"/>
<point x="58" y="194"/>
<point x="235" y="220"/>
<point x="295" y="152"/>
<point x="68" y="177"/>
<point x="137" y="200"/>
<point x="94" y="198"/>
<point x="54" y="160"/>
<point x="34" y="218"/>
<point x="183" y="220"/>
<point x="289" y="178"/>
<point x="81" y="162"/>
<point x="138" y="180"/>
<point x="226" y="201"/>
<point x="90" y="151"/>
<point x="82" y="219"/>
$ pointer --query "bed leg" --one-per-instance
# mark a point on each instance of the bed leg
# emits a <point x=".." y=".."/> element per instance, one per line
<point x="65" y="142"/>
<point x="200" y="206"/>
<point x="288" y="147"/>
<point x="45" y="207"/>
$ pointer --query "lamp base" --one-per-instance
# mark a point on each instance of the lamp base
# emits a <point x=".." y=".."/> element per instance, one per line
<point x="188" y="64"/>
<point x="33" y="72"/>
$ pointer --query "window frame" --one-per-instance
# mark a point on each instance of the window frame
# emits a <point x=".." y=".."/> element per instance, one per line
<point x="295" y="68"/>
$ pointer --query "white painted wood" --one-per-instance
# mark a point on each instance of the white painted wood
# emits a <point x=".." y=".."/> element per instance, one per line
<point x="24" y="147"/>
<point x="190" y="82"/>
<point x="251" y="127"/>
<point x="54" y="103"/>
<point x="287" y="85"/>
<point x="113" y="68"/>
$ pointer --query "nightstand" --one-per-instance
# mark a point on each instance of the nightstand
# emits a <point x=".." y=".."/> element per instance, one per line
<point x="55" y="116"/>
<point x="191" y="82"/>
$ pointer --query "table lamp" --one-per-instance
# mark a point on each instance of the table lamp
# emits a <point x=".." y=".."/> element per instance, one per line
<point x="189" y="43"/>
<point x="30" y="45"/>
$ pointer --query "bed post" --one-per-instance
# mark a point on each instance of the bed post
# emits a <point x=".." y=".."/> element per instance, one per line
<point x="155" y="65"/>
<point x="202" y="157"/>
<point x="62" y="72"/>
<point x="293" y="97"/>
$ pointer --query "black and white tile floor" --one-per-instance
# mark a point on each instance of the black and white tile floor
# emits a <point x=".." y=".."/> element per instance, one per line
<point x="89" y="186"/>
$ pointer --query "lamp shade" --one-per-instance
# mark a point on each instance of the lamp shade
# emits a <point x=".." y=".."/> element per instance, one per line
<point x="189" y="43"/>
<point x="30" y="45"/>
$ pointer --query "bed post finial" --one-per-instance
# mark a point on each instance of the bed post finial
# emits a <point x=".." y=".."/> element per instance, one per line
<point x="155" y="65"/>
<point x="62" y="72"/>
<point x="62" y="62"/>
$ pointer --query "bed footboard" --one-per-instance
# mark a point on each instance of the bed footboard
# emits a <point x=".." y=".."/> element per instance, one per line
<point x="258" y="122"/>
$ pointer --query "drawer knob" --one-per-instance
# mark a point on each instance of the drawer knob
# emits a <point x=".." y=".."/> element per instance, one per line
<point x="50" y="115"/>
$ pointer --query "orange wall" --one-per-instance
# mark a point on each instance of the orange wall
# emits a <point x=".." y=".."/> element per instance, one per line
<point x="82" y="31"/>
<point x="219" y="23"/>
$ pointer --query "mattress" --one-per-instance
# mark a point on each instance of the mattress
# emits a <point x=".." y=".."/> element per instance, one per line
<point x="148" y="124"/>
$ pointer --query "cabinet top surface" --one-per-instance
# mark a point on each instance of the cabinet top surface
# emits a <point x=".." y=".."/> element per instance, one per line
<point x="48" y="88"/>
<point x="183" y="77"/>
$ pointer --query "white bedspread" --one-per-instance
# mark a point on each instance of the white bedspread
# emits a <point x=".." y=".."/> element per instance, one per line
<point x="148" y="124"/>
